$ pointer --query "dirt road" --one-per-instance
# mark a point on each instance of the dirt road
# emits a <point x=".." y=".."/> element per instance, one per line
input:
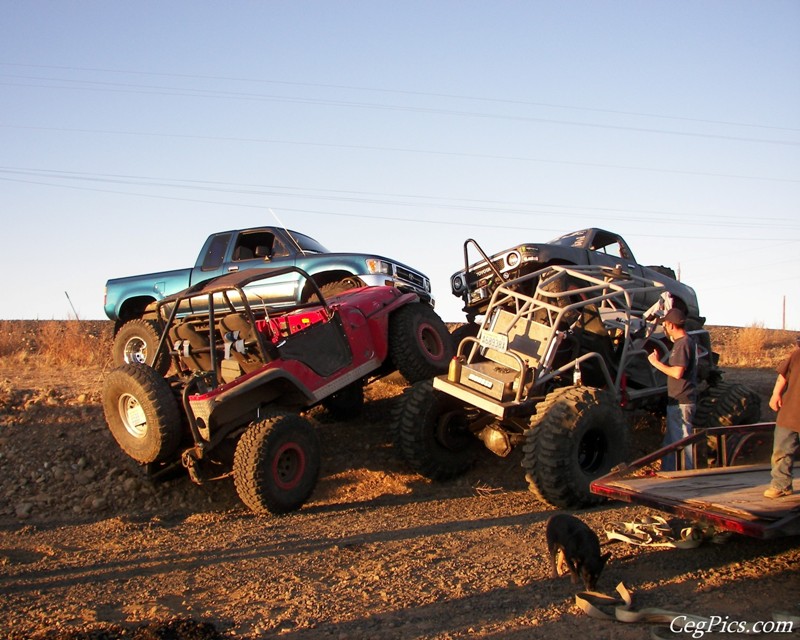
<point x="91" y="549"/>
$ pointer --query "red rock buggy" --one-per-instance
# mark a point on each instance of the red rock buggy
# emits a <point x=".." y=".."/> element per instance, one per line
<point x="243" y="373"/>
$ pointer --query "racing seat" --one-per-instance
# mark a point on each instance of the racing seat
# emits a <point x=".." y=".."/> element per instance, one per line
<point x="240" y="341"/>
<point x="192" y="347"/>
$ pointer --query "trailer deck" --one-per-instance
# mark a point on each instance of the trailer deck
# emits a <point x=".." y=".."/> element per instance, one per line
<point x="729" y="497"/>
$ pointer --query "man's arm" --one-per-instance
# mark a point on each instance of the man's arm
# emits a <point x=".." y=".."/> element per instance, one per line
<point x="776" y="401"/>
<point x="673" y="371"/>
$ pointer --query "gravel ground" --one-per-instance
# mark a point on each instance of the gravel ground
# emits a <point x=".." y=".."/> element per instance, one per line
<point x="90" y="548"/>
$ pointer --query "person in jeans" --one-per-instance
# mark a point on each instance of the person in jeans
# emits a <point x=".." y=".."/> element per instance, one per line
<point x="681" y="372"/>
<point x="786" y="441"/>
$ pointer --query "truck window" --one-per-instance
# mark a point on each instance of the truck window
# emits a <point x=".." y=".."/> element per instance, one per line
<point x="257" y="244"/>
<point x="279" y="250"/>
<point x="611" y="245"/>
<point x="216" y="252"/>
<point x="306" y="244"/>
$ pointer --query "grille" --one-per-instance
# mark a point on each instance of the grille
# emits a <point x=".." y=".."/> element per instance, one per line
<point x="499" y="264"/>
<point x="410" y="276"/>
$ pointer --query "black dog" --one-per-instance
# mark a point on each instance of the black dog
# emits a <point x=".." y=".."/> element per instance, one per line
<point x="580" y="548"/>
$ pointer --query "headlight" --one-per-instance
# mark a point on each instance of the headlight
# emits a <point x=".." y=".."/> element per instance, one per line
<point x="379" y="266"/>
<point x="512" y="259"/>
<point x="458" y="284"/>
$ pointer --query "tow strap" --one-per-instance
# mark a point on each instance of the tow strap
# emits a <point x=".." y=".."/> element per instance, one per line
<point x="656" y="531"/>
<point x="602" y="607"/>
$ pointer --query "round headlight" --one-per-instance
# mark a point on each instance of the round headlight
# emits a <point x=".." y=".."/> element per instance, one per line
<point x="458" y="283"/>
<point x="512" y="259"/>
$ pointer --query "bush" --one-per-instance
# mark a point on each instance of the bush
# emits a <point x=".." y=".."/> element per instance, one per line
<point x="751" y="341"/>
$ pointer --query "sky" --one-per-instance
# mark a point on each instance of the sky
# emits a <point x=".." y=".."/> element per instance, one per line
<point x="131" y="131"/>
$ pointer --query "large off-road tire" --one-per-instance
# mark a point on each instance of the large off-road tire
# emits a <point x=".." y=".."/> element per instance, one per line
<point x="726" y="404"/>
<point x="276" y="464"/>
<point x="577" y="435"/>
<point x="420" y="346"/>
<point x="142" y="413"/>
<point x="136" y="342"/>
<point x="346" y="403"/>
<point x="333" y="289"/>
<point x="468" y="330"/>
<point x="431" y="431"/>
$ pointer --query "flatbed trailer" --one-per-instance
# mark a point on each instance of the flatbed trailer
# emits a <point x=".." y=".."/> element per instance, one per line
<point x="728" y="496"/>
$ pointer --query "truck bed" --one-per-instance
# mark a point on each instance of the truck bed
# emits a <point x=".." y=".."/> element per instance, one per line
<point x="729" y="497"/>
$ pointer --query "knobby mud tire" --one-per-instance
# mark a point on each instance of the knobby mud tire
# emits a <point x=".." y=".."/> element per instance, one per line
<point x="577" y="435"/>
<point x="142" y="413"/>
<point x="431" y="432"/>
<point x="420" y="346"/>
<point x="276" y="464"/>
<point x="136" y="343"/>
<point x="333" y="289"/>
<point x="727" y="404"/>
<point x="468" y="330"/>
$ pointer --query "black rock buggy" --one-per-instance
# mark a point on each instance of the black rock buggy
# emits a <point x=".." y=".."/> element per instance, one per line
<point x="243" y="373"/>
<point x="551" y="373"/>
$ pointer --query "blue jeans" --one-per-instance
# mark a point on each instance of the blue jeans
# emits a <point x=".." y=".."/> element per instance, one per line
<point x="679" y="425"/>
<point x="785" y="444"/>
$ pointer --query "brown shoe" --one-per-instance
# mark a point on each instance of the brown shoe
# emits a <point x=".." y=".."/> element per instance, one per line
<point x="772" y="492"/>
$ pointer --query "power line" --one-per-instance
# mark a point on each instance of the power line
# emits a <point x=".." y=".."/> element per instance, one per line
<point x="405" y="92"/>
<point x="369" y="197"/>
<point x="458" y="154"/>
<point x="202" y="93"/>
<point x="498" y="206"/>
<point x="426" y="221"/>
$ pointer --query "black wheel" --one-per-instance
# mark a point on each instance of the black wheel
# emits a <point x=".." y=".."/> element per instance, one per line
<point x="468" y="330"/>
<point x="432" y="433"/>
<point x="577" y="435"/>
<point x="420" y="346"/>
<point x="276" y="464"/>
<point x="142" y="413"/>
<point x="560" y="284"/>
<point x="136" y="342"/>
<point x="727" y="404"/>
<point x="346" y="403"/>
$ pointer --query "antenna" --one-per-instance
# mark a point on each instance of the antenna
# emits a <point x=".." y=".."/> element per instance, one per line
<point x="72" y="305"/>
<point x="288" y="233"/>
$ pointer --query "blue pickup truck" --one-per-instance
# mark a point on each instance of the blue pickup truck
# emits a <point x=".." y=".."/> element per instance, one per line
<point x="127" y="299"/>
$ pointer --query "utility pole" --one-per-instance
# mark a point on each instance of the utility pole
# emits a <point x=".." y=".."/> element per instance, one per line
<point x="783" y="322"/>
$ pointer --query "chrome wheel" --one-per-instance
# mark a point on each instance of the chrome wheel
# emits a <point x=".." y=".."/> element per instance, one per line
<point x="132" y="415"/>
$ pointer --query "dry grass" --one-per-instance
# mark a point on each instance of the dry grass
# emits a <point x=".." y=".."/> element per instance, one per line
<point x="57" y="342"/>
<point x="88" y="343"/>
<point x="753" y="346"/>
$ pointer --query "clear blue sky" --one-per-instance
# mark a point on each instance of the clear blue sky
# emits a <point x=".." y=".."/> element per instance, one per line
<point x="129" y="131"/>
